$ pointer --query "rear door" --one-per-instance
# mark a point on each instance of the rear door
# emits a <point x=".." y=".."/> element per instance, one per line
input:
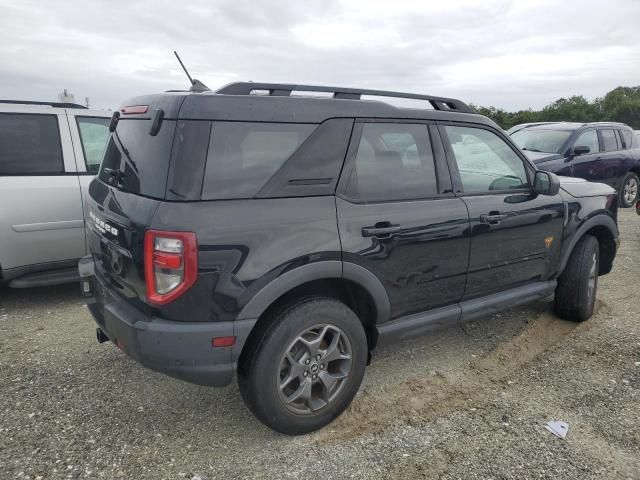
<point x="40" y="206"/>
<point x="398" y="217"/>
<point x="515" y="234"/>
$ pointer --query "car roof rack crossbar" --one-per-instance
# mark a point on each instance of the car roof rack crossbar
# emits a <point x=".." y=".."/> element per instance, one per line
<point x="50" y="104"/>
<point x="282" y="89"/>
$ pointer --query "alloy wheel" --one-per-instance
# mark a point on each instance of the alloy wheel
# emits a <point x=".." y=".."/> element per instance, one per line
<point x="314" y="369"/>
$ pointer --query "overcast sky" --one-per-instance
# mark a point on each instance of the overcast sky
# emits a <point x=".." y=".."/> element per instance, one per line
<point x="511" y="54"/>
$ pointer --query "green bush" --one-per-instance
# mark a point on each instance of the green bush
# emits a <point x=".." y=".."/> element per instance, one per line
<point x="621" y="104"/>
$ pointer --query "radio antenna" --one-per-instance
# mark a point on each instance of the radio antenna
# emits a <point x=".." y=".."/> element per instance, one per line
<point x="196" y="85"/>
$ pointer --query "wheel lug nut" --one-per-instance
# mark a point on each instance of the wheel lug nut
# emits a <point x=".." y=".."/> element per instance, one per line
<point x="314" y="377"/>
<point x="318" y="357"/>
<point x="306" y="374"/>
<point x="307" y="361"/>
<point x="322" y="366"/>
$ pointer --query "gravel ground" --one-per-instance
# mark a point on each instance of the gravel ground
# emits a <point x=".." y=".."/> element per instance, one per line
<point x="465" y="403"/>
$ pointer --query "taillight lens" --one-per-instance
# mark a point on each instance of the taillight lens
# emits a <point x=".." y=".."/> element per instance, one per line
<point x="170" y="264"/>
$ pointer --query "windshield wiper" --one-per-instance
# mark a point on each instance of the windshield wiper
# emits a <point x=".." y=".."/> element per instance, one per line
<point x="532" y="150"/>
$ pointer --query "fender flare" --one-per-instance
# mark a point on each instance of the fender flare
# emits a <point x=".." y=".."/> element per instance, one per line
<point x="330" y="269"/>
<point x="596" y="221"/>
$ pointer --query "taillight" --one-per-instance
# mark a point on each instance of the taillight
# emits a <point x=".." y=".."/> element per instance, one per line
<point x="170" y="264"/>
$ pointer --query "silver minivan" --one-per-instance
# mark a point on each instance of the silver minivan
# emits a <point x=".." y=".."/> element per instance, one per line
<point x="49" y="153"/>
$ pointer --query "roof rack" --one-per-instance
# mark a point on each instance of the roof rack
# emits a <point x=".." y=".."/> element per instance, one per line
<point x="283" y="89"/>
<point x="51" y="104"/>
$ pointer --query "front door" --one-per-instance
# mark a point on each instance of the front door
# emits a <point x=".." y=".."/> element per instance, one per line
<point x="515" y="234"/>
<point x="603" y="160"/>
<point x="398" y="218"/>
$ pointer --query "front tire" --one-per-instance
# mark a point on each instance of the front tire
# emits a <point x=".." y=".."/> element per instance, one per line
<point x="302" y="370"/>
<point x="578" y="284"/>
<point x="629" y="190"/>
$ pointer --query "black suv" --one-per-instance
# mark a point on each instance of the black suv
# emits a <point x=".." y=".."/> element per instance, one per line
<point x="280" y="237"/>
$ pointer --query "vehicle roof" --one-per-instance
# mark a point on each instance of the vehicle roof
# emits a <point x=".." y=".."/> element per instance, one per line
<point x="290" y="108"/>
<point x="19" y="106"/>
<point x="574" y="125"/>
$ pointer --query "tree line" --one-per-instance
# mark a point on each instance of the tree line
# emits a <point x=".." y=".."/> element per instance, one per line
<point x="621" y="104"/>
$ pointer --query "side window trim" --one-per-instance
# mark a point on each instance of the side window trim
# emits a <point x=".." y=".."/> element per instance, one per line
<point x="443" y="179"/>
<point x="453" y="165"/>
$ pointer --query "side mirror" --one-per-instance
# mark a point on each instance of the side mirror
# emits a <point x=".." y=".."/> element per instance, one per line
<point x="581" y="149"/>
<point x="546" y="183"/>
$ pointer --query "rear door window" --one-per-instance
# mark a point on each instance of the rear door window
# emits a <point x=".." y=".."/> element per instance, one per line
<point x="394" y="162"/>
<point x="609" y="142"/>
<point x="93" y="137"/>
<point x="243" y="156"/>
<point x="30" y="145"/>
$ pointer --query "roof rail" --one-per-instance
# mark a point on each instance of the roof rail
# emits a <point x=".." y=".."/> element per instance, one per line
<point x="51" y="104"/>
<point x="283" y="89"/>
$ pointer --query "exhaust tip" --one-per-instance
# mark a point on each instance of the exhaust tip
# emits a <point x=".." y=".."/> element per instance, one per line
<point x="101" y="336"/>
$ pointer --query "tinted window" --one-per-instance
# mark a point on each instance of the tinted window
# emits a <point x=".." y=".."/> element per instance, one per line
<point x="627" y="138"/>
<point x="137" y="162"/>
<point x="243" y="156"/>
<point x="588" y="139"/>
<point x="541" y="139"/>
<point x="394" y="161"/>
<point x="609" y="143"/>
<point x="29" y="145"/>
<point x="93" y="136"/>
<point x="485" y="161"/>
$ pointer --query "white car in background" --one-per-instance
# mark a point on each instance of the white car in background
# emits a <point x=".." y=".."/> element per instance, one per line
<point x="49" y="152"/>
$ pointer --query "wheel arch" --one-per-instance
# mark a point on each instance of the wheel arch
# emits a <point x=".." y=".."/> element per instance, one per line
<point x="351" y="284"/>
<point x="602" y="227"/>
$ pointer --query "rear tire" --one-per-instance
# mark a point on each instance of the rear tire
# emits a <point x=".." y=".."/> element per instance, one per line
<point x="578" y="284"/>
<point x="302" y="370"/>
<point x="629" y="190"/>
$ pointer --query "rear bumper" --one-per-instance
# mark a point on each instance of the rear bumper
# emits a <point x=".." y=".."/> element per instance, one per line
<point x="181" y="350"/>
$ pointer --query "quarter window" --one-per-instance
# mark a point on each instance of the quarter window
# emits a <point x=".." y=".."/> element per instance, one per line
<point x="30" y="145"/>
<point x="485" y="161"/>
<point x="588" y="139"/>
<point x="609" y="142"/>
<point x="243" y="156"/>
<point x="394" y="161"/>
<point x="93" y="136"/>
<point x="627" y="137"/>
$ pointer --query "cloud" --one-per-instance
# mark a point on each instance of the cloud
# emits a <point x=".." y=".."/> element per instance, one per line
<point x="512" y="54"/>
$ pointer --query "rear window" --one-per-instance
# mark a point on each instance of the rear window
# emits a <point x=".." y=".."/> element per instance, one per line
<point x="135" y="161"/>
<point x="243" y="156"/>
<point x="30" y="145"/>
<point x="541" y="139"/>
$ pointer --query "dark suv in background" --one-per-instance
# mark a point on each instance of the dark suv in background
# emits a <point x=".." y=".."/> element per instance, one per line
<point x="281" y="237"/>
<point x="600" y="152"/>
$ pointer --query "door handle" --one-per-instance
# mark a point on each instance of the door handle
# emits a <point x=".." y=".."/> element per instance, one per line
<point x="382" y="229"/>
<point x="493" y="218"/>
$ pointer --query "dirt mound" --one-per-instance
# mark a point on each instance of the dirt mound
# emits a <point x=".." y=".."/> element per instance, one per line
<point x="423" y="398"/>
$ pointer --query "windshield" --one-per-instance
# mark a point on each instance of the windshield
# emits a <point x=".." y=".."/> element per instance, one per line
<point x="541" y="140"/>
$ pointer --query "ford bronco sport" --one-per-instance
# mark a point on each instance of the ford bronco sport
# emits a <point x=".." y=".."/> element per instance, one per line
<point x="279" y="237"/>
